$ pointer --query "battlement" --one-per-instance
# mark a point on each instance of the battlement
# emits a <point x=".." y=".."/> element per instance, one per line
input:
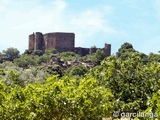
<point x="62" y="42"/>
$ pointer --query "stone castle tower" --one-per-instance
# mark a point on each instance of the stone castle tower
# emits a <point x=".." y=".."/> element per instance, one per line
<point x="57" y="40"/>
<point x="107" y="49"/>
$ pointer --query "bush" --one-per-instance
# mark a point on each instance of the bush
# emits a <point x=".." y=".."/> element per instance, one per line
<point x="25" y="76"/>
<point x="79" y="70"/>
<point x="99" y="56"/>
<point x="38" y="52"/>
<point x="69" y="56"/>
<point x="28" y="52"/>
<point x="43" y="59"/>
<point x="48" y="52"/>
<point x="11" y="53"/>
<point x="26" y="61"/>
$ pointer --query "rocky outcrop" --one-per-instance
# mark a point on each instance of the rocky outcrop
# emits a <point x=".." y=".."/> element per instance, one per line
<point x="71" y="63"/>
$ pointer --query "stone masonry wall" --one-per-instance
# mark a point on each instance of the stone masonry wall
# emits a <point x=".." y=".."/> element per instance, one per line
<point x="81" y="51"/>
<point x="50" y="40"/>
<point x="64" y="40"/>
<point x="59" y="41"/>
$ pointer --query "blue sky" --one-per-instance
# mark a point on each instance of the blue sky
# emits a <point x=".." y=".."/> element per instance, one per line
<point x="94" y="22"/>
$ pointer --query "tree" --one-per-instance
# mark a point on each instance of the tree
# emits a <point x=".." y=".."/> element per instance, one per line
<point x="1" y="57"/>
<point x="11" y="53"/>
<point x="26" y="60"/>
<point x="99" y="56"/>
<point x="125" y="50"/>
<point x="131" y="81"/>
<point x="77" y="71"/>
<point x="154" y="57"/>
<point x="125" y="46"/>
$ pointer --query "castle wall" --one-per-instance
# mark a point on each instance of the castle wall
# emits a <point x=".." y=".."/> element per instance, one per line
<point x="93" y="50"/>
<point x="81" y="51"/>
<point x="64" y="40"/>
<point x="59" y="41"/>
<point x="50" y="41"/>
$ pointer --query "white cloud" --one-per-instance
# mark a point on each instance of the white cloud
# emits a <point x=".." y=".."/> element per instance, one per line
<point x="39" y="22"/>
<point x="93" y="21"/>
<point x="59" y="5"/>
<point x="26" y="18"/>
<point x="44" y="19"/>
<point x="88" y="21"/>
<point x="91" y="24"/>
<point x="89" y="18"/>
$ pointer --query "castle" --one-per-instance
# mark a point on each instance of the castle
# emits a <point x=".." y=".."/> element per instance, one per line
<point x="62" y="42"/>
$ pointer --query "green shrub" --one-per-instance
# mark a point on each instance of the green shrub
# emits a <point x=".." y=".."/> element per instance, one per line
<point x="26" y="61"/>
<point x="56" y="99"/>
<point x="79" y="70"/>
<point x="69" y="56"/>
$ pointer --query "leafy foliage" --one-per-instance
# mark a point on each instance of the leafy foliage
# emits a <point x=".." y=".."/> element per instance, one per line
<point x="154" y="57"/>
<point x="69" y="56"/>
<point x="130" y="81"/>
<point x="125" y="50"/>
<point x="154" y="104"/>
<point x="99" y="56"/>
<point x="31" y="89"/>
<point x="38" y="52"/>
<point x="24" y="76"/>
<point x="11" y="53"/>
<point x="56" y="99"/>
<point x="76" y="71"/>
<point x="26" y="60"/>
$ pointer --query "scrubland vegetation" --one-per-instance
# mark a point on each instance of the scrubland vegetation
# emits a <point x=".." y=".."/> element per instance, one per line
<point x="41" y="85"/>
